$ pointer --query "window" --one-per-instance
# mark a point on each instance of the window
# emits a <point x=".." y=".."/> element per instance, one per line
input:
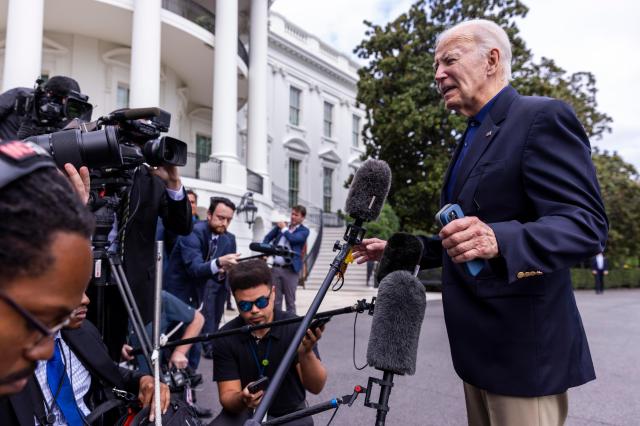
<point x="122" y="96"/>
<point x="294" y="105"/>
<point x="294" y="181"/>
<point x="327" y="188"/>
<point x="328" y="119"/>
<point x="203" y="151"/>
<point x="355" y="131"/>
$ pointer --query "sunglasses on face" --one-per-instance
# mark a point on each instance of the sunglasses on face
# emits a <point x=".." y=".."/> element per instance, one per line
<point x="261" y="303"/>
<point x="34" y="323"/>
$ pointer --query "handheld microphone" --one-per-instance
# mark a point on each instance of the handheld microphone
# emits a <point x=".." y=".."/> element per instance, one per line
<point x="395" y="327"/>
<point x="402" y="253"/>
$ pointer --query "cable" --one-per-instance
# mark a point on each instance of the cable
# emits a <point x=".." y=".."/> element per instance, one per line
<point x="334" y="414"/>
<point x="355" y="320"/>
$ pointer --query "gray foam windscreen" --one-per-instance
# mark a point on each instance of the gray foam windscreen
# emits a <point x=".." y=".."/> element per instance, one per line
<point x="397" y="319"/>
<point x="368" y="190"/>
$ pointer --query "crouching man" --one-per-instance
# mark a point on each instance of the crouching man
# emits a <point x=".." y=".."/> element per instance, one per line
<point x="243" y="358"/>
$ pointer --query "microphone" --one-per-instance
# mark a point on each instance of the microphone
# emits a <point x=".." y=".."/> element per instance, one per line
<point x="368" y="190"/>
<point x="402" y="253"/>
<point x="395" y="331"/>
<point x="134" y="114"/>
<point x="271" y="250"/>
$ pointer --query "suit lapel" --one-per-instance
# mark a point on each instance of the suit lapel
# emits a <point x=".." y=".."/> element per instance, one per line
<point x="22" y="402"/>
<point x="447" y="175"/>
<point x="93" y="357"/>
<point x="487" y="132"/>
<point x="481" y="140"/>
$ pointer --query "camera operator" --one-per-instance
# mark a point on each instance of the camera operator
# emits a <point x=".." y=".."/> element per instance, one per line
<point x="48" y="108"/>
<point x="242" y="358"/>
<point x="155" y="192"/>
<point x="45" y="258"/>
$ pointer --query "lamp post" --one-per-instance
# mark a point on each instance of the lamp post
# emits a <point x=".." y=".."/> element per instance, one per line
<point x="249" y="208"/>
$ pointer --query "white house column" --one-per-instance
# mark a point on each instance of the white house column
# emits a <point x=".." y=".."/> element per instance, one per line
<point x="257" y="151"/>
<point x="225" y="95"/>
<point x="144" y="90"/>
<point x="23" y="43"/>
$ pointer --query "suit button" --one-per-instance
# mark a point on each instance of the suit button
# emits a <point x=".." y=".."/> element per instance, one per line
<point x="521" y="275"/>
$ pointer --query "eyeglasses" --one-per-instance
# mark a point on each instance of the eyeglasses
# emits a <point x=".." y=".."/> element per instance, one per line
<point x="261" y="303"/>
<point x="33" y="322"/>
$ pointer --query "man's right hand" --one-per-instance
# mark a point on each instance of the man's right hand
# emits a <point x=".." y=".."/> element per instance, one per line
<point x="251" y="400"/>
<point x="369" y="249"/>
<point x="228" y="260"/>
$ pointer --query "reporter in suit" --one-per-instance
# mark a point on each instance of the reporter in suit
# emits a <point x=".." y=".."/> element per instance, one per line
<point x="89" y="375"/>
<point x="286" y="272"/>
<point x="523" y="176"/>
<point x="197" y="267"/>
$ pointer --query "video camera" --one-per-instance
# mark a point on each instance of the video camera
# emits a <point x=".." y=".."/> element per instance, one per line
<point x="122" y="139"/>
<point x="49" y="111"/>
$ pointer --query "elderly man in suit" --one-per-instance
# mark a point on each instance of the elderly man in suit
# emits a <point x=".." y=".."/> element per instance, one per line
<point x="79" y="376"/>
<point x="197" y="267"/>
<point x="523" y="176"/>
<point x="286" y="272"/>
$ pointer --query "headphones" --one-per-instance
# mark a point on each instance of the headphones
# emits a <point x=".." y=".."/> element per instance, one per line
<point x="19" y="158"/>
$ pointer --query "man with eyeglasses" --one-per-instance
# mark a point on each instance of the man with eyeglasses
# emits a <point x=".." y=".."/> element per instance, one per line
<point x="196" y="273"/>
<point x="243" y="358"/>
<point x="45" y="258"/>
<point x="79" y="377"/>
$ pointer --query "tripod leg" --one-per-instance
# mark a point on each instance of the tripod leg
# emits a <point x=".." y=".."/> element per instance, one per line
<point x="132" y="310"/>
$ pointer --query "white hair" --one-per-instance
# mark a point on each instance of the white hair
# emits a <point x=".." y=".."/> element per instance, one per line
<point x="487" y="35"/>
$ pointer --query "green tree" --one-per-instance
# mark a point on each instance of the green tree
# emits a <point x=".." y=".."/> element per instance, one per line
<point x="620" y="187"/>
<point x="386" y="225"/>
<point x="407" y="124"/>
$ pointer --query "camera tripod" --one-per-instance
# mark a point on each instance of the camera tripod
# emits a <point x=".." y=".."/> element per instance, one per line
<point x="108" y="269"/>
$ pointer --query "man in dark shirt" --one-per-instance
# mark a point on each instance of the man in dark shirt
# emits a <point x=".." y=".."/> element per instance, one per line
<point x="242" y="358"/>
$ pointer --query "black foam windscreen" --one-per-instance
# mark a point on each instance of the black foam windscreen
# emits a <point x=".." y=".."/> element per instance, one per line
<point x="397" y="319"/>
<point x="402" y="253"/>
<point x="368" y="190"/>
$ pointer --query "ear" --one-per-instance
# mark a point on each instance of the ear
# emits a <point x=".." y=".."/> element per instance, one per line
<point x="493" y="61"/>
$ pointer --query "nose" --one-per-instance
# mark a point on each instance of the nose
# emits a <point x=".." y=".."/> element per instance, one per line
<point x="255" y="309"/>
<point x="41" y="351"/>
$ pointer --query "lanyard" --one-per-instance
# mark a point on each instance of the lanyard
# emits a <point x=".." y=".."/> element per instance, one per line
<point x="265" y="361"/>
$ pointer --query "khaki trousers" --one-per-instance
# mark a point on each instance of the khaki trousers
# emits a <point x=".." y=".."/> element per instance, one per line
<point x="489" y="409"/>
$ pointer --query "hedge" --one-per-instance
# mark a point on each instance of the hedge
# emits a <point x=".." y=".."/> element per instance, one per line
<point x="629" y="278"/>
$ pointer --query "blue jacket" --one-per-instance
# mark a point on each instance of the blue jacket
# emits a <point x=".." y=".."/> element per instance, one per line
<point x="515" y="328"/>
<point x="296" y="239"/>
<point x="188" y="270"/>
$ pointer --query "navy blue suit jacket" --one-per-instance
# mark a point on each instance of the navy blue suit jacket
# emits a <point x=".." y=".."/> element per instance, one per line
<point x="515" y="328"/>
<point x="188" y="269"/>
<point x="296" y="239"/>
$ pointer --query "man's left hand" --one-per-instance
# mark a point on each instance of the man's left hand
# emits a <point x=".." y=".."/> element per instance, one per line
<point x="309" y="340"/>
<point x="170" y="176"/>
<point x="469" y="238"/>
<point x="145" y="395"/>
<point x="80" y="180"/>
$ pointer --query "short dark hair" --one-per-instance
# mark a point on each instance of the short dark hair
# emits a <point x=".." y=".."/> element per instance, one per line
<point x="300" y="209"/>
<point x="192" y="192"/>
<point x="249" y="274"/>
<point x="33" y="209"/>
<point x="217" y="200"/>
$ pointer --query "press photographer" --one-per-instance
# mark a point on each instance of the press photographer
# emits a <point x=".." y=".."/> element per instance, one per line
<point x="47" y="108"/>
